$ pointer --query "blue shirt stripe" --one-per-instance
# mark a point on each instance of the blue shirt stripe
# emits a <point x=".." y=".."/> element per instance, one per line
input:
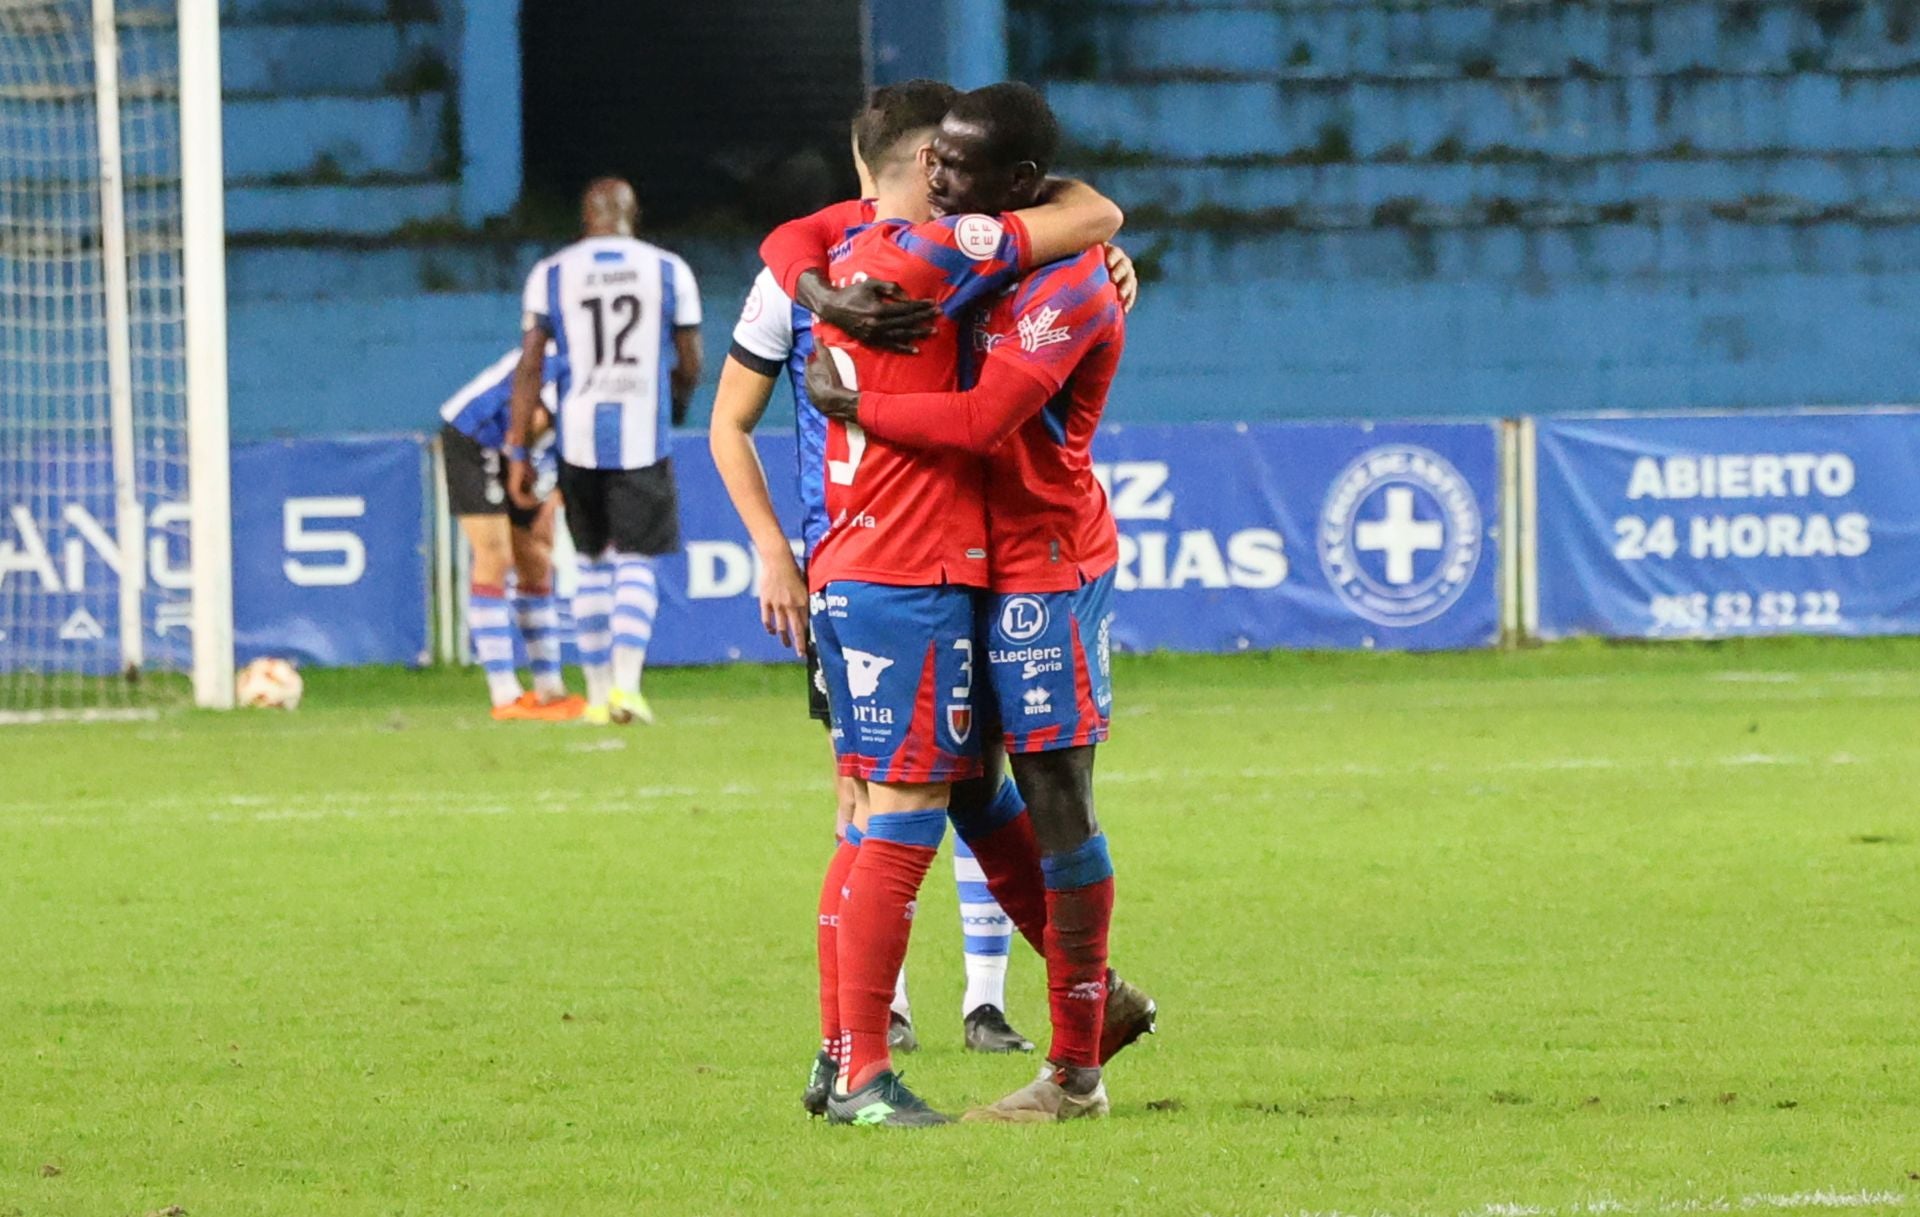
<point x="669" y="360"/>
<point x="606" y="435"/>
<point x="557" y="330"/>
<point x="810" y="430"/>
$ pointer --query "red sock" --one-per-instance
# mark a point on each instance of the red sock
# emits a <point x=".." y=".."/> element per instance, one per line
<point x="875" y="920"/>
<point x="1077" y="921"/>
<point x="1009" y="857"/>
<point x="829" y="940"/>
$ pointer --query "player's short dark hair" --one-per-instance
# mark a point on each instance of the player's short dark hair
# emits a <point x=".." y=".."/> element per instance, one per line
<point x="893" y="112"/>
<point x="1018" y="122"/>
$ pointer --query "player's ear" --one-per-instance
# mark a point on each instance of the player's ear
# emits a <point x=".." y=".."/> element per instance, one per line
<point x="1026" y="179"/>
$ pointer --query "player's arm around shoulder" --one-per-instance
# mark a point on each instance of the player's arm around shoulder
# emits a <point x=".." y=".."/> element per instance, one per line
<point x="1071" y="218"/>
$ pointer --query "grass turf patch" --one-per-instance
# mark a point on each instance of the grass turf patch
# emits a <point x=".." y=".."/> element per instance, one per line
<point x="1627" y="925"/>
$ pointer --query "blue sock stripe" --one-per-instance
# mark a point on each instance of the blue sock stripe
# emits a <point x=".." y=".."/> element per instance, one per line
<point x="922" y="828"/>
<point x="1002" y="809"/>
<point x="1081" y="867"/>
<point x="975" y="893"/>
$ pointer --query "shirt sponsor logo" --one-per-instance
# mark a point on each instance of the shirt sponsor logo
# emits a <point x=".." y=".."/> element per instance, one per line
<point x="1038" y="330"/>
<point x="978" y="236"/>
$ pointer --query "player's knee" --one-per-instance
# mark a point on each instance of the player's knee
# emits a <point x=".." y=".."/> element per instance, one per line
<point x="1083" y="865"/>
<point x="982" y="806"/>
<point x="533" y="563"/>
<point x="490" y="567"/>
<point x="1058" y="787"/>
<point x="888" y="797"/>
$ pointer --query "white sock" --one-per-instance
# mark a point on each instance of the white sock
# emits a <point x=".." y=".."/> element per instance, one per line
<point x="599" y="682"/>
<point x="986" y="932"/>
<point x="636" y="598"/>
<point x="539" y="618"/>
<point x="492" y="630"/>
<point x="593" y="628"/>
<point x="900" y="1005"/>
<point x="986" y="983"/>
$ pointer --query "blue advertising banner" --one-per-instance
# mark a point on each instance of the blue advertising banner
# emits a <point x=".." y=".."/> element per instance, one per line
<point x="330" y="551"/>
<point x="1233" y="537"/>
<point x="329" y="545"/>
<point x="1719" y="525"/>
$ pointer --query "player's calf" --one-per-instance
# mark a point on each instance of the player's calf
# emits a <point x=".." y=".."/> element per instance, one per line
<point x="876" y="917"/>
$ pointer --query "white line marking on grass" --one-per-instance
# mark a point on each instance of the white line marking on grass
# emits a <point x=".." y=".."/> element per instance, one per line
<point x="33" y="718"/>
<point x="1788" y="1202"/>
<point x="1553" y="764"/>
<point x="259" y="809"/>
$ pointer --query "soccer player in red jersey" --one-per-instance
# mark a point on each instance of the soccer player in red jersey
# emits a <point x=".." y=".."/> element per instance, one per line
<point x="775" y="335"/>
<point x="891" y="586"/>
<point x="1050" y="349"/>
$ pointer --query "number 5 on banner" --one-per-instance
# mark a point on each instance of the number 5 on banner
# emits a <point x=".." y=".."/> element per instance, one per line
<point x="301" y="539"/>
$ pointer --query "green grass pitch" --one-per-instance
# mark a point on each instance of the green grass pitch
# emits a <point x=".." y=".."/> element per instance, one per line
<point x="1584" y="929"/>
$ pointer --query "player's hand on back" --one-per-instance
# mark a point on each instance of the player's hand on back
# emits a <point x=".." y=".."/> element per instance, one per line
<point x="1126" y="280"/>
<point x="874" y="312"/>
<point x="829" y="395"/>
<point x="783" y="601"/>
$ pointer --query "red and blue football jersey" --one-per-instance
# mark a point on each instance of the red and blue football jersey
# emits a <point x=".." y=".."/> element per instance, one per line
<point x="899" y="517"/>
<point x="1048" y="522"/>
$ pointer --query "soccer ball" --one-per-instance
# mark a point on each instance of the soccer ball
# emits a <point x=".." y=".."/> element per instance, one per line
<point x="271" y="684"/>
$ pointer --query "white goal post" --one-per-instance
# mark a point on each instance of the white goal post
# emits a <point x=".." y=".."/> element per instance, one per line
<point x="115" y="523"/>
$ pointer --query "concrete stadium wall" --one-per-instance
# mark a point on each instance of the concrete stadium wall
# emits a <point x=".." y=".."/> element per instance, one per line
<point x="1346" y="208"/>
<point x="1368" y="323"/>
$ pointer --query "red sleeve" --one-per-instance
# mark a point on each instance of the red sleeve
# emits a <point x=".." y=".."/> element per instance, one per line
<point x="1064" y="313"/>
<point x="977" y="421"/>
<point x="801" y="245"/>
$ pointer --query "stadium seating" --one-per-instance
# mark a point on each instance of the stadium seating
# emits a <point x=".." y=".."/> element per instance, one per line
<point x="1458" y="207"/>
<point x="1431" y="207"/>
<point x="339" y="117"/>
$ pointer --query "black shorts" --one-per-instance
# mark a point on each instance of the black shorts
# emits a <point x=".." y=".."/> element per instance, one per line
<point x="817" y="708"/>
<point x="636" y="511"/>
<point x="477" y="480"/>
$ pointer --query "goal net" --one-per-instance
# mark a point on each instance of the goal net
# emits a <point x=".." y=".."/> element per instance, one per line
<point x="112" y="419"/>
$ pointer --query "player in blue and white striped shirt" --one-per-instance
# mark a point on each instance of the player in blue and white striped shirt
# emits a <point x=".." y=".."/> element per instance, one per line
<point x="624" y="318"/>
<point x="505" y="539"/>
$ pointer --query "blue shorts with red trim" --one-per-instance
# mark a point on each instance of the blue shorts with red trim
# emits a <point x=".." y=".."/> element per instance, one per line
<point x="899" y="666"/>
<point x="1048" y="656"/>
